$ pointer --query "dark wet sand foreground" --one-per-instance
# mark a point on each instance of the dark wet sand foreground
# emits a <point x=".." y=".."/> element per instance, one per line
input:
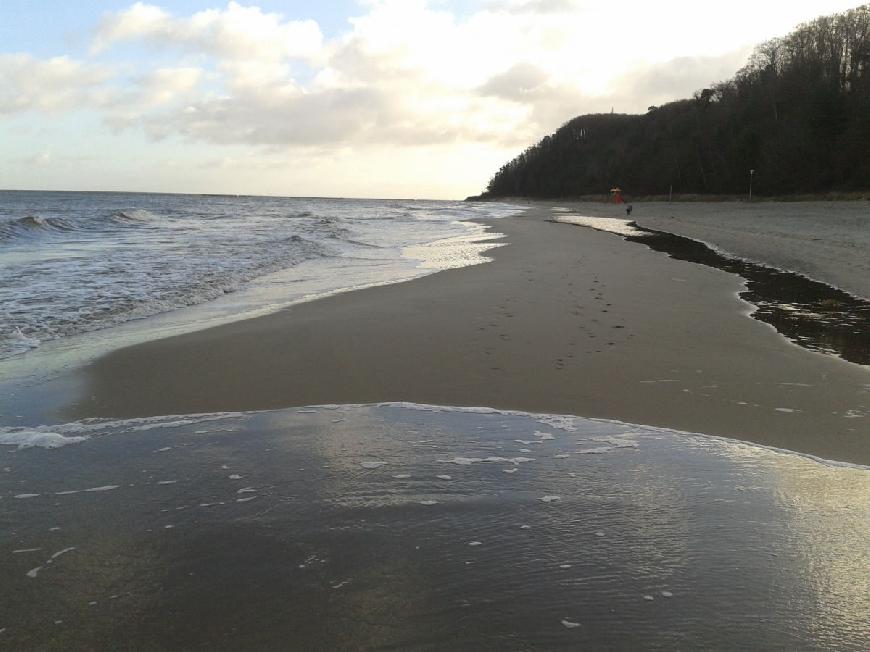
<point x="413" y="528"/>
<point x="565" y="320"/>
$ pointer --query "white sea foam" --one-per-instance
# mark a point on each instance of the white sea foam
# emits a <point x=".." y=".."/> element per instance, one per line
<point x="618" y="441"/>
<point x="60" y="552"/>
<point x="36" y="438"/>
<point x="34" y="572"/>
<point x="467" y="461"/>
<point x="108" y="487"/>
<point x="609" y="224"/>
<point x="598" y="450"/>
<point x="564" y="422"/>
<point x="76" y="432"/>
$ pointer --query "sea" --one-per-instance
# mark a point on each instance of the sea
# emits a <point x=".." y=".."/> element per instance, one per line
<point x="82" y="262"/>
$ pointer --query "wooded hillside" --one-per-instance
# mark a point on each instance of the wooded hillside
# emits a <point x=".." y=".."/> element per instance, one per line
<point x="798" y="114"/>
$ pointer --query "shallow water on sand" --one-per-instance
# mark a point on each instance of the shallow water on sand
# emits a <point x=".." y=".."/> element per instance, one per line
<point x="401" y="526"/>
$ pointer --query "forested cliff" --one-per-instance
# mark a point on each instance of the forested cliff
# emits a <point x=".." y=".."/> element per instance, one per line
<point x="798" y="114"/>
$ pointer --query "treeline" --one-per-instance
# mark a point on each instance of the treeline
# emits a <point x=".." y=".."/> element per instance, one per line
<point x="798" y="114"/>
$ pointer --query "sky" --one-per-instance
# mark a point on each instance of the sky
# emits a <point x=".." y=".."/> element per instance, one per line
<point x="346" y="98"/>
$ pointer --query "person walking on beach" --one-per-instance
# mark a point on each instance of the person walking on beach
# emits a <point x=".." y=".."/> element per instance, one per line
<point x="628" y="209"/>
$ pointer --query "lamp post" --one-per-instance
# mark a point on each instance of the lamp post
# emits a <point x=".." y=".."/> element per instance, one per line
<point x="751" y="174"/>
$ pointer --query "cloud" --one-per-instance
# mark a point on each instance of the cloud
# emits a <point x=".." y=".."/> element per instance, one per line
<point x="31" y="84"/>
<point x="165" y="85"/>
<point x="332" y="116"/>
<point x="534" y="6"/>
<point x="237" y="32"/>
<point x="404" y="73"/>
<point x="675" y="79"/>
<point x="519" y="82"/>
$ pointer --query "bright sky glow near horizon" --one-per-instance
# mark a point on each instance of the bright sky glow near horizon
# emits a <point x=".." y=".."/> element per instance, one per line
<point x="367" y="98"/>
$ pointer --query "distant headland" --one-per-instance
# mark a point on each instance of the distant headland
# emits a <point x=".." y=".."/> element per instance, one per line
<point x="794" y="122"/>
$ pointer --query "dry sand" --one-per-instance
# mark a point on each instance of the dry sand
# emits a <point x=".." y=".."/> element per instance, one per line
<point x="565" y="320"/>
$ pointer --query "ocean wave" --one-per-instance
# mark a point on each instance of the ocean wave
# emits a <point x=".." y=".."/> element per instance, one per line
<point x="133" y="216"/>
<point x="34" y="226"/>
<point x="102" y="300"/>
<point x="31" y="225"/>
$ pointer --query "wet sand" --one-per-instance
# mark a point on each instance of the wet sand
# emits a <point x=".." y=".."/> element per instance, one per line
<point x="565" y="320"/>
<point x="412" y="528"/>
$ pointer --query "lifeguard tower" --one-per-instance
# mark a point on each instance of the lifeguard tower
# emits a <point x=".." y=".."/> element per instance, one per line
<point x="616" y="196"/>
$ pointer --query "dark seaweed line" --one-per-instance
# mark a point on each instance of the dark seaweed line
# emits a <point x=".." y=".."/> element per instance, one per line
<point x="811" y="314"/>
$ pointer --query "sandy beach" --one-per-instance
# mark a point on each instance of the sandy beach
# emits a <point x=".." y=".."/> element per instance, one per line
<point x="564" y="320"/>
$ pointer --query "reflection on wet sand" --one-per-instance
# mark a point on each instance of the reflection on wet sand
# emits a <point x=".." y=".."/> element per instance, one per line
<point x="347" y="527"/>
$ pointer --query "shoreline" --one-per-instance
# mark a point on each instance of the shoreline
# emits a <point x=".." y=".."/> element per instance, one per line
<point x="551" y="325"/>
<point x="844" y="196"/>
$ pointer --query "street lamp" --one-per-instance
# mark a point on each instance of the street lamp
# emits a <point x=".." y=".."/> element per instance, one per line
<point x="751" y="174"/>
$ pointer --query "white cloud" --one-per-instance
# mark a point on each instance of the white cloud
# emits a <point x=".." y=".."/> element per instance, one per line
<point x="59" y="83"/>
<point x="164" y="85"/>
<point x="237" y="31"/>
